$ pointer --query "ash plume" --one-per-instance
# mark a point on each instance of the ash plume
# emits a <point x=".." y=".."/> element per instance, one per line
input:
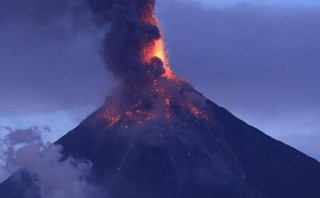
<point x="134" y="51"/>
<point x="132" y="29"/>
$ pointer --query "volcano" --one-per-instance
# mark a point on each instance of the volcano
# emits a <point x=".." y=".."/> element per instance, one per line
<point x="156" y="136"/>
<point x="209" y="153"/>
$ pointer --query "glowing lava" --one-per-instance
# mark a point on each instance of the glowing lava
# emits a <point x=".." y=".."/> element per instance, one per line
<point x="157" y="47"/>
<point x="200" y="114"/>
<point x="161" y="54"/>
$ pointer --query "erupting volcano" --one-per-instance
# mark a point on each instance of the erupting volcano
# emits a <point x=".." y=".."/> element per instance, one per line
<point x="156" y="136"/>
<point x="134" y="51"/>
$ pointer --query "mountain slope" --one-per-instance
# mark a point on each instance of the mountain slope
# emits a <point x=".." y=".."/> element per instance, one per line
<point x="189" y="156"/>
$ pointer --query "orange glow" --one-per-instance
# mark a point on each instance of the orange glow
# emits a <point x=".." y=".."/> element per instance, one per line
<point x="168" y="112"/>
<point x="115" y="116"/>
<point x="163" y="102"/>
<point x="157" y="48"/>
<point x="198" y="113"/>
<point x="111" y="116"/>
<point x="133" y="113"/>
<point x="150" y="117"/>
<point x="114" y="120"/>
<point x="159" y="51"/>
<point x="168" y="102"/>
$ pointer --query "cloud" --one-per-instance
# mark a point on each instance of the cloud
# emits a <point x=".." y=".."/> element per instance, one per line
<point x="24" y="149"/>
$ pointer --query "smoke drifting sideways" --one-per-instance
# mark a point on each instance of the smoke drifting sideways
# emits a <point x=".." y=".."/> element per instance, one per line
<point x="24" y="150"/>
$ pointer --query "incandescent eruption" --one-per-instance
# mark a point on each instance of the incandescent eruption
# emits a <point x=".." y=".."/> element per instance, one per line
<point x="156" y="136"/>
<point x="134" y="51"/>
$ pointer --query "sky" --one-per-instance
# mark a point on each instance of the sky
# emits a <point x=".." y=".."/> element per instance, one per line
<point x="259" y="2"/>
<point x="258" y="59"/>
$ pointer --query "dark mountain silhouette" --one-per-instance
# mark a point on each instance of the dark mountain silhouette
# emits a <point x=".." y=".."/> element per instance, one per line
<point x="186" y="155"/>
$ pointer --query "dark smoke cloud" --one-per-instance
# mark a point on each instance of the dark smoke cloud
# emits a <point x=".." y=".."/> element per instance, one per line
<point x="55" y="18"/>
<point x="24" y="149"/>
<point x="129" y="32"/>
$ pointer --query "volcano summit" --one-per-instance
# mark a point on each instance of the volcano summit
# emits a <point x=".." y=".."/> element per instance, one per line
<point x="156" y="136"/>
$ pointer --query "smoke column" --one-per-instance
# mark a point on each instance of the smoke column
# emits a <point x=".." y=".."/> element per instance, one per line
<point x="133" y="48"/>
<point x="133" y="51"/>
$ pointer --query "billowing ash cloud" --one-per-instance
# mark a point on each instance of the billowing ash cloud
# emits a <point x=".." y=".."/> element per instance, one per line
<point x="25" y="150"/>
<point x="132" y="29"/>
<point x="133" y="50"/>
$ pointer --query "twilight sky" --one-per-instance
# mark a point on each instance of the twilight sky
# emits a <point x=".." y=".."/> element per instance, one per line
<point x="259" y="59"/>
<point x="259" y="2"/>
